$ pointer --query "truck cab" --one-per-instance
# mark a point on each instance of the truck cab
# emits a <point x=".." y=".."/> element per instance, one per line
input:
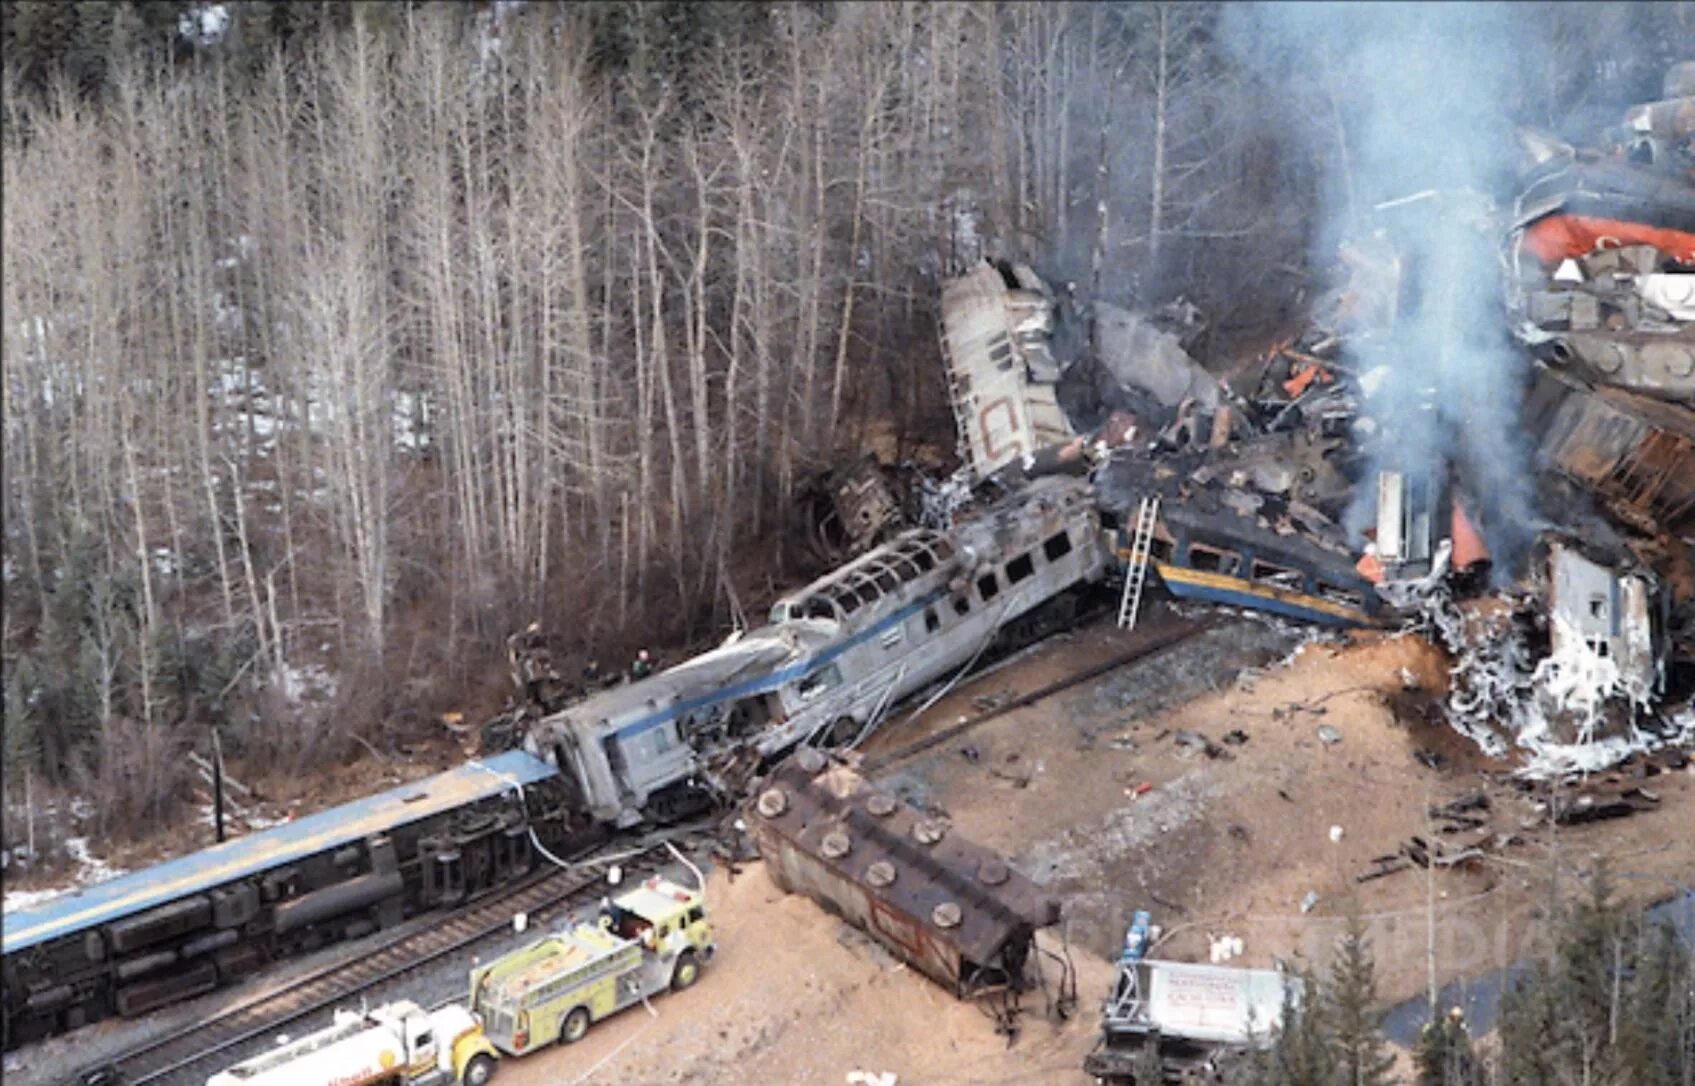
<point x="398" y="1043"/>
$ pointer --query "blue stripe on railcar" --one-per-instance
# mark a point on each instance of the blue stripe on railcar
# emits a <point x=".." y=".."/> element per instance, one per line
<point x="1189" y="584"/>
<point x="257" y="852"/>
<point x="792" y="673"/>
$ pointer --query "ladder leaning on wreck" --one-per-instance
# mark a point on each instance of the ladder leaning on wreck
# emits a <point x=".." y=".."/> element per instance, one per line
<point x="1136" y="570"/>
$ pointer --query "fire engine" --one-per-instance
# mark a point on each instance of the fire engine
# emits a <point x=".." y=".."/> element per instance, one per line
<point x="649" y="939"/>
<point x="400" y="1043"/>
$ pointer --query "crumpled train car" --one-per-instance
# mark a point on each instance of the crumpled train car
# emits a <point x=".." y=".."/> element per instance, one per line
<point x="952" y="909"/>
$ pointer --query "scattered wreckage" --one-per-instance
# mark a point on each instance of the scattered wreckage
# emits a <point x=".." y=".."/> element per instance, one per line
<point x="952" y="909"/>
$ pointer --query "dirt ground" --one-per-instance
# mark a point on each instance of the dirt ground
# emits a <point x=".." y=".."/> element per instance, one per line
<point x="1212" y="846"/>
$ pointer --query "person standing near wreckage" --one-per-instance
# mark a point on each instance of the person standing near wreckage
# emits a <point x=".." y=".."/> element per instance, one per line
<point x="643" y="666"/>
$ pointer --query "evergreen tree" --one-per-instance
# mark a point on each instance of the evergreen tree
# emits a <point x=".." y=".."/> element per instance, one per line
<point x="1301" y="1055"/>
<point x="1444" y="1055"/>
<point x="1656" y="1039"/>
<point x="1360" y="1053"/>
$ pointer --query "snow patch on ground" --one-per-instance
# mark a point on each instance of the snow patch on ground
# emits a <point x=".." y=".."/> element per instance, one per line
<point x="307" y="682"/>
<point x="90" y="870"/>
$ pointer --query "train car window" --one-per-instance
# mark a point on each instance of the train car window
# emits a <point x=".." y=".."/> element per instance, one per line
<point x="1160" y="549"/>
<point x="932" y="621"/>
<point x="1020" y="568"/>
<point x="962" y="604"/>
<point x="923" y="561"/>
<point x="819" y="681"/>
<point x="1213" y="560"/>
<point x="886" y="580"/>
<point x="988" y="586"/>
<point x="662" y="740"/>
<point x="1057" y="546"/>
<point x="1282" y="576"/>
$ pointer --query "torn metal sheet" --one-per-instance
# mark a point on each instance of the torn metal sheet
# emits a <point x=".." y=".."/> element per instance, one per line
<point x="952" y="909"/>
<point x="1140" y="354"/>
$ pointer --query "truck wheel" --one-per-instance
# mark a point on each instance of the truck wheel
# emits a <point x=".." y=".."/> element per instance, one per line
<point x="686" y="972"/>
<point x="575" y="1025"/>
<point x="479" y="1070"/>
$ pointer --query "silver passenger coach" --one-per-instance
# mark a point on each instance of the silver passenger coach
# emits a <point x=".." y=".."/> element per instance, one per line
<point x="833" y="657"/>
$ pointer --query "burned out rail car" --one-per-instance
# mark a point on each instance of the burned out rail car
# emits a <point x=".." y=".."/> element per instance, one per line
<point x="833" y="658"/>
<point x="197" y="923"/>
<point x="1629" y="450"/>
<point x="950" y="908"/>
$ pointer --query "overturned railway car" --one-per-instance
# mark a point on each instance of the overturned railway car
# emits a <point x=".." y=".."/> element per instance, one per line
<point x="950" y="908"/>
<point x="185" y="927"/>
<point x="1221" y="559"/>
<point x="833" y="657"/>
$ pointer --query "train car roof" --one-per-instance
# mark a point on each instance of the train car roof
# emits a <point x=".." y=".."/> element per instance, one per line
<point x="152" y="886"/>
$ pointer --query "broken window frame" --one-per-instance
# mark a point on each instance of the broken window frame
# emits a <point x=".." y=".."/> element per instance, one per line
<point x="1222" y="561"/>
<point x="1057" y="546"/>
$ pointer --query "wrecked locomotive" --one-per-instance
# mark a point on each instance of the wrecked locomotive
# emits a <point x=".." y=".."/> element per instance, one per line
<point x="833" y="658"/>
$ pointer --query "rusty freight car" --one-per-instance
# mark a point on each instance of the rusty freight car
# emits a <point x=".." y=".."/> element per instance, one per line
<point x="1633" y="452"/>
<point x="950" y="908"/>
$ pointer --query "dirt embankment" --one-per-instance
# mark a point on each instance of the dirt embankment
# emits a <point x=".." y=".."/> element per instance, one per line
<point x="1094" y="791"/>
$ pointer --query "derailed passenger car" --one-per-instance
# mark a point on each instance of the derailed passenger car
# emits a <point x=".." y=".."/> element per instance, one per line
<point x="833" y="658"/>
<point x="950" y="908"/>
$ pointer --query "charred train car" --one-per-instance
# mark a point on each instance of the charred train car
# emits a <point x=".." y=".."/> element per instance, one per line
<point x="832" y="658"/>
<point x="153" y="937"/>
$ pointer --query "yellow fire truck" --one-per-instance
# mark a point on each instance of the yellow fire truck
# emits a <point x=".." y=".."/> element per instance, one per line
<point x="652" y="938"/>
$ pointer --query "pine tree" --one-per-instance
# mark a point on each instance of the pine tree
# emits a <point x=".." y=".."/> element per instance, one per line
<point x="1656" y="1042"/>
<point x="1443" y="1056"/>
<point x="1531" y="1043"/>
<point x="1361" y="1054"/>
<point x="1301" y="1055"/>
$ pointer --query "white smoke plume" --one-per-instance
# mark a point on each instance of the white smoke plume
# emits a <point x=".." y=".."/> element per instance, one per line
<point x="1420" y="136"/>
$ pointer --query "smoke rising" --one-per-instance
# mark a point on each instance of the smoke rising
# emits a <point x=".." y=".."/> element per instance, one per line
<point x="1413" y="106"/>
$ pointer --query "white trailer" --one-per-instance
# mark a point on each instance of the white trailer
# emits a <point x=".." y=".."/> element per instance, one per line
<point x="399" y="1043"/>
<point x="1188" y="1014"/>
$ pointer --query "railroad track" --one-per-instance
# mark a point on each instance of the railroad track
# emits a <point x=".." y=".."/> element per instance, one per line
<point x="194" y="1047"/>
<point x="1160" y="639"/>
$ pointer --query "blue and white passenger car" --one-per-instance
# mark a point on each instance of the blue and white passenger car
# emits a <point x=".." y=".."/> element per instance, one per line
<point x="833" y="657"/>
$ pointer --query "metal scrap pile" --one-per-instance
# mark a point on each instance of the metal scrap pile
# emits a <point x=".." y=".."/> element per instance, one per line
<point x="1603" y="250"/>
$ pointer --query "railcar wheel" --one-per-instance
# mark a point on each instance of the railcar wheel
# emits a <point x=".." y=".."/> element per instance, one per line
<point x="479" y="1070"/>
<point x="576" y="1024"/>
<point x="686" y="973"/>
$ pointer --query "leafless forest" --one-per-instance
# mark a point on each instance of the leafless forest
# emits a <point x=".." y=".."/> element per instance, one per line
<point x="338" y="370"/>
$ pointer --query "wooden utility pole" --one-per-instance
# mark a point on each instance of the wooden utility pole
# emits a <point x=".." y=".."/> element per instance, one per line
<point x="218" y="785"/>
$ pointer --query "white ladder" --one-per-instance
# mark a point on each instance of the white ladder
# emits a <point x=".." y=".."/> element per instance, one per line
<point x="1136" y="569"/>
